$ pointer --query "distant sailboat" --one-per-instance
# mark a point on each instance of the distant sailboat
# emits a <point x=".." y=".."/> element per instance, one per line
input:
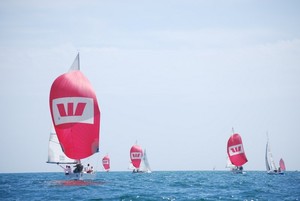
<point x="106" y="163"/>
<point x="139" y="160"/>
<point x="270" y="164"/>
<point x="76" y="116"/>
<point x="282" y="165"/>
<point x="236" y="153"/>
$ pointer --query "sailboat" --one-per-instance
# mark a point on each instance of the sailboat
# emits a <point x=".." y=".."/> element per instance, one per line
<point x="270" y="164"/>
<point x="76" y="117"/>
<point x="236" y="154"/>
<point x="282" y="165"/>
<point x="139" y="160"/>
<point x="106" y="163"/>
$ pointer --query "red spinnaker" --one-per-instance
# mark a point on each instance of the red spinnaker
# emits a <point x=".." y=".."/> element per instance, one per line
<point x="282" y="165"/>
<point x="235" y="150"/>
<point x="106" y="162"/>
<point x="75" y="115"/>
<point x="136" y="154"/>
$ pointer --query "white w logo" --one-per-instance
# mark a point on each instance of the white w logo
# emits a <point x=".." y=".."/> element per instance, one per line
<point x="236" y="149"/>
<point x="73" y="110"/>
<point x="105" y="162"/>
<point x="136" y="155"/>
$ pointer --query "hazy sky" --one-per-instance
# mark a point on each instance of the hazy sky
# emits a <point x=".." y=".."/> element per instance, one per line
<point x="174" y="75"/>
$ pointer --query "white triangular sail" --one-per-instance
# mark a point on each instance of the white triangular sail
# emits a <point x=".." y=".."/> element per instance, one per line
<point x="76" y="64"/>
<point x="145" y="167"/>
<point x="268" y="168"/>
<point x="270" y="164"/>
<point x="130" y="166"/>
<point x="229" y="164"/>
<point x="55" y="153"/>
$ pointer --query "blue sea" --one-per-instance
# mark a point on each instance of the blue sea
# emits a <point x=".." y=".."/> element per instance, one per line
<point x="160" y="185"/>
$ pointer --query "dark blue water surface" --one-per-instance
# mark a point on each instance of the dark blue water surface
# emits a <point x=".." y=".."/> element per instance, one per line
<point x="161" y="185"/>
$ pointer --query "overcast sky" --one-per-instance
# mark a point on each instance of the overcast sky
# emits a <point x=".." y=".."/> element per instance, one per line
<point x="173" y="75"/>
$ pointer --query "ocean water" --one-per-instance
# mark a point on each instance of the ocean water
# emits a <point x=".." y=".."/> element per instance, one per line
<point x="160" y="185"/>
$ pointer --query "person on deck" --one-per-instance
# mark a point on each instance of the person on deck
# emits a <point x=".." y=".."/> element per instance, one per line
<point x="67" y="169"/>
<point x="89" y="169"/>
<point x="78" y="168"/>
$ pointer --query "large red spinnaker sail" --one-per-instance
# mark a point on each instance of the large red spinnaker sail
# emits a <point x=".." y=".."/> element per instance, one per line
<point x="282" y="165"/>
<point x="235" y="150"/>
<point x="106" y="162"/>
<point x="75" y="114"/>
<point x="136" y="154"/>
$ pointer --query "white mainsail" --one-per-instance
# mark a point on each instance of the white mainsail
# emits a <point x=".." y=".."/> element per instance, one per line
<point x="270" y="164"/>
<point x="55" y="153"/>
<point x="229" y="164"/>
<point x="145" y="167"/>
<point x="130" y="166"/>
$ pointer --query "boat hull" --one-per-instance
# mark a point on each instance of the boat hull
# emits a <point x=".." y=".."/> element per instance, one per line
<point x="139" y="171"/>
<point x="81" y="176"/>
<point x="274" y="173"/>
<point x="238" y="172"/>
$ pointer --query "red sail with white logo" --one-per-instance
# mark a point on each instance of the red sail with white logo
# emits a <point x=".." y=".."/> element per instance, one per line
<point x="136" y="154"/>
<point x="106" y="162"/>
<point x="75" y="114"/>
<point x="235" y="150"/>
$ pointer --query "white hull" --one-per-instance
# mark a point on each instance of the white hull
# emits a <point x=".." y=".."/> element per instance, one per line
<point x="235" y="171"/>
<point x="273" y="172"/>
<point x="81" y="176"/>
<point x="140" y="171"/>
